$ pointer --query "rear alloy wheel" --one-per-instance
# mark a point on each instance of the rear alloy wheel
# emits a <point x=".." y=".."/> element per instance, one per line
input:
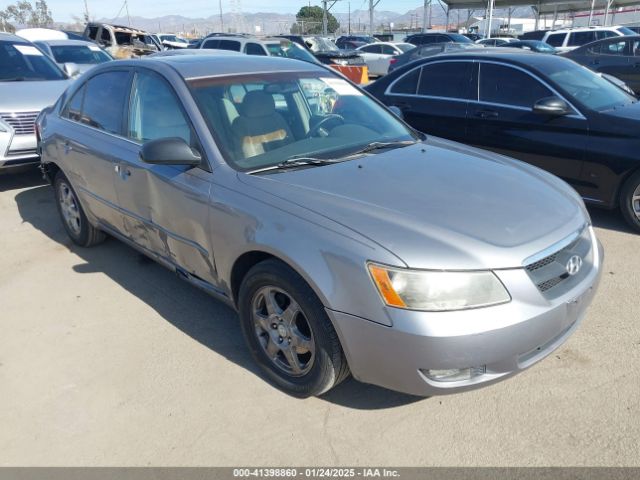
<point x="72" y="215"/>
<point x="630" y="201"/>
<point x="288" y="331"/>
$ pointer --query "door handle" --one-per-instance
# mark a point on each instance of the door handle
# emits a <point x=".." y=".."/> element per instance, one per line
<point x="486" y="114"/>
<point x="67" y="147"/>
<point x="123" y="172"/>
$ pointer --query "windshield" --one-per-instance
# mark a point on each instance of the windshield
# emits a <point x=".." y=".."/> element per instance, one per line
<point x="289" y="49"/>
<point x="540" y="46"/>
<point x="80" y="54"/>
<point x="587" y="87"/>
<point x="172" y="38"/>
<point x="405" y="47"/>
<point x="319" y="44"/>
<point x="24" y="62"/>
<point x="456" y="37"/>
<point x="261" y="120"/>
<point x="626" y="31"/>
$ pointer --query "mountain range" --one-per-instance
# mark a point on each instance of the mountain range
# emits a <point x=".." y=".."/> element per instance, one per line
<point x="274" y="23"/>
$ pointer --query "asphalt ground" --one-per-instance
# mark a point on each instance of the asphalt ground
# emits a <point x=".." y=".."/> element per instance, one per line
<point x="107" y="358"/>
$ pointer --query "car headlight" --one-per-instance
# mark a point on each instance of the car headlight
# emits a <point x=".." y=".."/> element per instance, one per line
<point x="437" y="290"/>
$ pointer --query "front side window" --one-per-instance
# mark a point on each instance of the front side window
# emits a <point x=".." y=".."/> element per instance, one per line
<point x="25" y="62"/>
<point x="105" y="100"/>
<point x="504" y="85"/>
<point x="388" y="50"/>
<point x="614" y="48"/>
<point x="211" y="44"/>
<point x="105" y="37"/>
<point x="556" y="39"/>
<point x="92" y="32"/>
<point x="446" y="79"/>
<point x="371" y="49"/>
<point x="261" y="120"/>
<point x="155" y="111"/>
<point x="254" y="49"/>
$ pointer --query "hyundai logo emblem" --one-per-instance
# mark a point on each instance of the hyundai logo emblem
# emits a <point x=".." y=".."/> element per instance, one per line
<point x="574" y="265"/>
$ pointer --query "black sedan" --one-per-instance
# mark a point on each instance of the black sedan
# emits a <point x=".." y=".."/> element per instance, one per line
<point x="543" y="109"/>
<point x="617" y="56"/>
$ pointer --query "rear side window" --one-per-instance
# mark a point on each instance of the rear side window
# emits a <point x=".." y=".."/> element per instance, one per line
<point x="105" y="100"/>
<point x="446" y="79"/>
<point x="254" y="49"/>
<point x="600" y="34"/>
<point x="577" y="39"/>
<point x="508" y="86"/>
<point x="408" y="84"/>
<point x="556" y="39"/>
<point x="232" y="45"/>
<point x="388" y="50"/>
<point x="535" y="35"/>
<point x="211" y="44"/>
<point x="73" y="109"/>
<point x="615" y="48"/>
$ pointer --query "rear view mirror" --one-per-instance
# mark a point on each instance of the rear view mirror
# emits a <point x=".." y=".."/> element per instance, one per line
<point x="552" y="106"/>
<point x="169" y="151"/>
<point x="71" y="69"/>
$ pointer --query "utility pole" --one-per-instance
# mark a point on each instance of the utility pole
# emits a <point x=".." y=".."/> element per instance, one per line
<point x="349" y="18"/>
<point x="424" y="15"/>
<point x="325" y="13"/>
<point x="488" y="29"/>
<point x="86" y="11"/>
<point x="221" y="22"/>
<point x="372" y="5"/>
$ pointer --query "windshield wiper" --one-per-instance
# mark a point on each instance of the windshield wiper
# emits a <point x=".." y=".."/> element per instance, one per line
<point x="373" y="146"/>
<point x="295" y="162"/>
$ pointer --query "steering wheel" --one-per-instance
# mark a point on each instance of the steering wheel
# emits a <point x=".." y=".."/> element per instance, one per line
<point x="328" y="118"/>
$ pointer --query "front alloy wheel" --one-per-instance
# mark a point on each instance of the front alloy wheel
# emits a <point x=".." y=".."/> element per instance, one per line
<point x="283" y="331"/>
<point x="630" y="201"/>
<point x="288" y="332"/>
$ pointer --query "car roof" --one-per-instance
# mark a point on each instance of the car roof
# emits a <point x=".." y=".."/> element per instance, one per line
<point x="584" y="29"/>
<point x="12" y="38"/>
<point x="198" y="66"/>
<point x="55" y="43"/>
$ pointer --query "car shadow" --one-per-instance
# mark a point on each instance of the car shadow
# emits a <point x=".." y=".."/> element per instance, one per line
<point x="189" y="309"/>
<point x="25" y="178"/>
<point x="609" y="219"/>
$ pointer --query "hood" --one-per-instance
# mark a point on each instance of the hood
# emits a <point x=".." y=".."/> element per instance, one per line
<point x="30" y="96"/>
<point x="439" y="204"/>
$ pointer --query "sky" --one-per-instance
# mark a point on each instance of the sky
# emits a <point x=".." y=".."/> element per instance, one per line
<point x="63" y="10"/>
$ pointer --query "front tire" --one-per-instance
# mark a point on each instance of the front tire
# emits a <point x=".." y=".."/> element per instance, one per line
<point x="630" y="201"/>
<point x="72" y="215"/>
<point x="288" y="331"/>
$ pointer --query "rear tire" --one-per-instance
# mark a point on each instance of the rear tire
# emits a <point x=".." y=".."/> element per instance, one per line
<point x="630" y="201"/>
<point x="288" y="331"/>
<point x="72" y="215"/>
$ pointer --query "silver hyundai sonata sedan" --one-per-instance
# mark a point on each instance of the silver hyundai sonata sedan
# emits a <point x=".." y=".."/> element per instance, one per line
<point x="348" y="242"/>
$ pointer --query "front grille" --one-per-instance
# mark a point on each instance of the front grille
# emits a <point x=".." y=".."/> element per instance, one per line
<point x="21" y="152"/>
<point x="550" y="272"/>
<point x="23" y="123"/>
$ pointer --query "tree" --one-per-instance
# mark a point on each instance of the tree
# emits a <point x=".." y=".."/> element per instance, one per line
<point x="24" y="14"/>
<point x="309" y="21"/>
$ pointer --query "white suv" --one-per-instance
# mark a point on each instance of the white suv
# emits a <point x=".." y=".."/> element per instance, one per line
<point x="567" y="39"/>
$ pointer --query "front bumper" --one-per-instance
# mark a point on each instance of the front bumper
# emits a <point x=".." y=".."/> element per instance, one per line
<point x="504" y="339"/>
<point x="17" y="150"/>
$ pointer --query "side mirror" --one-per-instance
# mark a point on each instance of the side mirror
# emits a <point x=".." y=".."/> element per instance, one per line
<point x="552" y="106"/>
<point x="396" y="111"/>
<point x="71" y="69"/>
<point x="169" y="151"/>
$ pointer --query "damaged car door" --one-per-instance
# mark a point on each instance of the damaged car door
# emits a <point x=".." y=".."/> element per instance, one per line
<point x="165" y="205"/>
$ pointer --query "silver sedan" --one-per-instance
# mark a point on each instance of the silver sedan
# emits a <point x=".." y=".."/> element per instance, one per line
<point x="347" y="242"/>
